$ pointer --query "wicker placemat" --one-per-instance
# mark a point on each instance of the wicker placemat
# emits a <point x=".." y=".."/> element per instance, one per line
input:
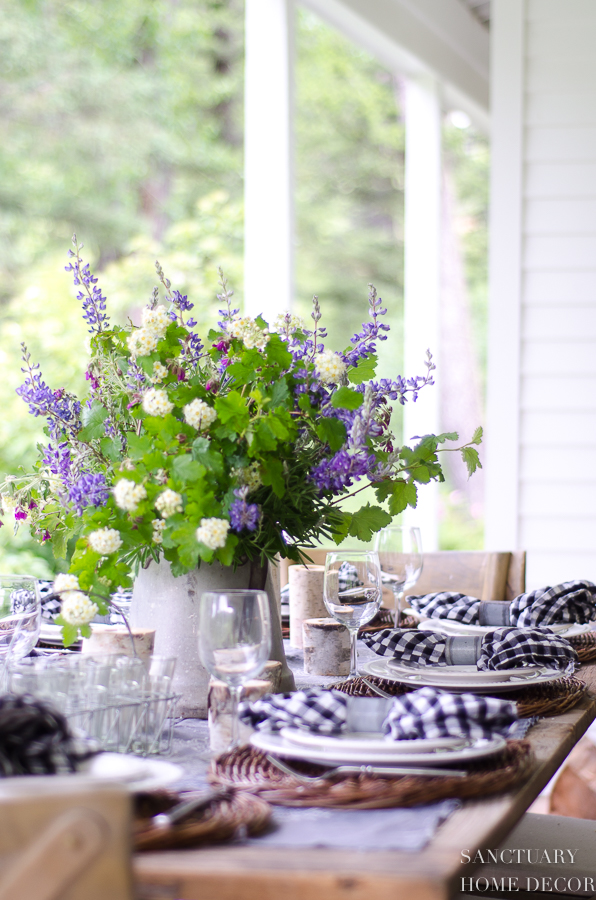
<point x="585" y="646"/>
<point x="222" y="820"/>
<point x="549" y="699"/>
<point x="247" y="769"/>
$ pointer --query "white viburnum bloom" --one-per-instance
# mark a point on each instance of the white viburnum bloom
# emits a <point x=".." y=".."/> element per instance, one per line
<point x="156" y="403"/>
<point x="78" y="609"/>
<point x="246" y="329"/>
<point x="168" y="503"/>
<point x="159" y="372"/>
<point x="141" y="342"/>
<point x="159" y="526"/>
<point x="330" y="367"/>
<point x="287" y="323"/>
<point x="213" y="532"/>
<point x="65" y="582"/>
<point x="156" y="320"/>
<point x="199" y="414"/>
<point x="128" y="494"/>
<point x="105" y="541"/>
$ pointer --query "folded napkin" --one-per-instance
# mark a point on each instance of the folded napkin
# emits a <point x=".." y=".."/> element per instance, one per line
<point x="503" y="648"/>
<point x="572" y="601"/>
<point x="425" y="713"/>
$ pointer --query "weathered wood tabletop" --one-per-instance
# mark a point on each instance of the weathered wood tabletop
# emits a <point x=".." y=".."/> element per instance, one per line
<point x="267" y="873"/>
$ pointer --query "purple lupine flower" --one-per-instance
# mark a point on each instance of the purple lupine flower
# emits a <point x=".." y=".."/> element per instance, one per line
<point x="192" y="346"/>
<point x="58" y="460"/>
<point x="89" y="376"/>
<point x="341" y="470"/>
<point x="180" y="302"/>
<point x="136" y="377"/>
<point x="94" y="303"/>
<point x="242" y="514"/>
<point x="363" y="341"/>
<point x="62" y="411"/>
<point x="88" y="490"/>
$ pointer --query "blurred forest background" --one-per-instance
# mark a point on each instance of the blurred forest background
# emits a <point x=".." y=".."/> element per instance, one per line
<point x="122" y="122"/>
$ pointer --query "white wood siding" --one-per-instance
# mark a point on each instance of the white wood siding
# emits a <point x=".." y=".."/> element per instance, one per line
<point x="557" y="425"/>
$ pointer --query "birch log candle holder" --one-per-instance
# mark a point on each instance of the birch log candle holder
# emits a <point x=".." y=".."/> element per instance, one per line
<point x="306" y="598"/>
<point x="326" y="646"/>
<point x="220" y="709"/>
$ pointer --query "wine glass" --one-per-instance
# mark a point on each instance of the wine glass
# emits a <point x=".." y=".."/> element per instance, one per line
<point x="400" y="553"/>
<point x="234" y="640"/>
<point x="20" y="618"/>
<point x="352" y="592"/>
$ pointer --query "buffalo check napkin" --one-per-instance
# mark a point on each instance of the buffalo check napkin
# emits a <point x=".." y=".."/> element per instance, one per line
<point x="425" y="713"/>
<point x="572" y="601"/>
<point x="503" y="648"/>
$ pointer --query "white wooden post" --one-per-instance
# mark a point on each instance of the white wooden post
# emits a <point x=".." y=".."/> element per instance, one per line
<point x="505" y="278"/>
<point x="422" y="252"/>
<point x="268" y="183"/>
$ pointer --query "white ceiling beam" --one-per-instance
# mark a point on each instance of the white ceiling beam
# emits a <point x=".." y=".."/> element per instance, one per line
<point x="414" y="37"/>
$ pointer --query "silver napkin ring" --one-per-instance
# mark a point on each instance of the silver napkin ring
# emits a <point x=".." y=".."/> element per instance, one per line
<point x="462" y="649"/>
<point x="494" y="612"/>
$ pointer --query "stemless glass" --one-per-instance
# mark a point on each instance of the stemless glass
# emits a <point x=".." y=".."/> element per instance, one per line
<point x="352" y="592"/>
<point x="234" y="639"/>
<point x="400" y="553"/>
<point x="20" y="615"/>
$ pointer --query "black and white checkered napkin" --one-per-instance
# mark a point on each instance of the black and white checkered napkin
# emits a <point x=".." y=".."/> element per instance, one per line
<point x="572" y="601"/>
<point x="503" y="648"/>
<point x="425" y="713"/>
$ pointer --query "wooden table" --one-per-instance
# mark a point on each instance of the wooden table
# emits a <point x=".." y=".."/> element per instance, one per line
<point x="254" y="873"/>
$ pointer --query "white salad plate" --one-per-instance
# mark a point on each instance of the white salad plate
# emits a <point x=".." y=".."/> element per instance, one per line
<point x="450" y="626"/>
<point x="427" y="676"/>
<point x="371" y="742"/>
<point x="135" y="772"/>
<point x="333" y="752"/>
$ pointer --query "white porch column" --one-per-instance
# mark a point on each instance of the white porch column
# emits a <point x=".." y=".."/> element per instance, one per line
<point x="422" y="251"/>
<point x="268" y="184"/>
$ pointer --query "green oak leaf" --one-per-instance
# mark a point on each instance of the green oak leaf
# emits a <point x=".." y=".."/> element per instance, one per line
<point x="368" y="520"/>
<point x="331" y="431"/>
<point x="471" y="459"/>
<point x="346" y="398"/>
<point x="364" y="370"/>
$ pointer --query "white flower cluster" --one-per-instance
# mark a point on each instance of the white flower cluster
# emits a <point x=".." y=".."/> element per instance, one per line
<point x="65" y="582"/>
<point x="199" y="414"/>
<point x="287" y="323"/>
<point x="105" y="541"/>
<point x="78" y="609"/>
<point x="330" y="367"/>
<point x="213" y="532"/>
<point x="159" y="372"/>
<point x="249" y="476"/>
<point x="156" y="320"/>
<point x="246" y="329"/>
<point x="159" y="526"/>
<point x="128" y="494"/>
<point x="144" y="340"/>
<point x="168" y="503"/>
<point x="156" y="403"/>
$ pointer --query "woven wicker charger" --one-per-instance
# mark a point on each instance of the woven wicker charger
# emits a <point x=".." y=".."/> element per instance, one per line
<point x="585" y="646"/>
<point x="549" y="699"/>
<point x="248" y="770"/>
<point x="220" y="821"/>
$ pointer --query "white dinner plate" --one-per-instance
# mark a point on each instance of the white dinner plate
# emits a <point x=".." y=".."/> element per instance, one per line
<point x="371" y="743"/>
<point x="335" y="754"/>
<point x="467" y="673"/>
<point x="135" y="772"/>
<point x="381" y="669"/>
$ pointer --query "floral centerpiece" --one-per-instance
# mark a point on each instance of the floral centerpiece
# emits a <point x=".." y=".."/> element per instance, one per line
<point x="235" y="447"/>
